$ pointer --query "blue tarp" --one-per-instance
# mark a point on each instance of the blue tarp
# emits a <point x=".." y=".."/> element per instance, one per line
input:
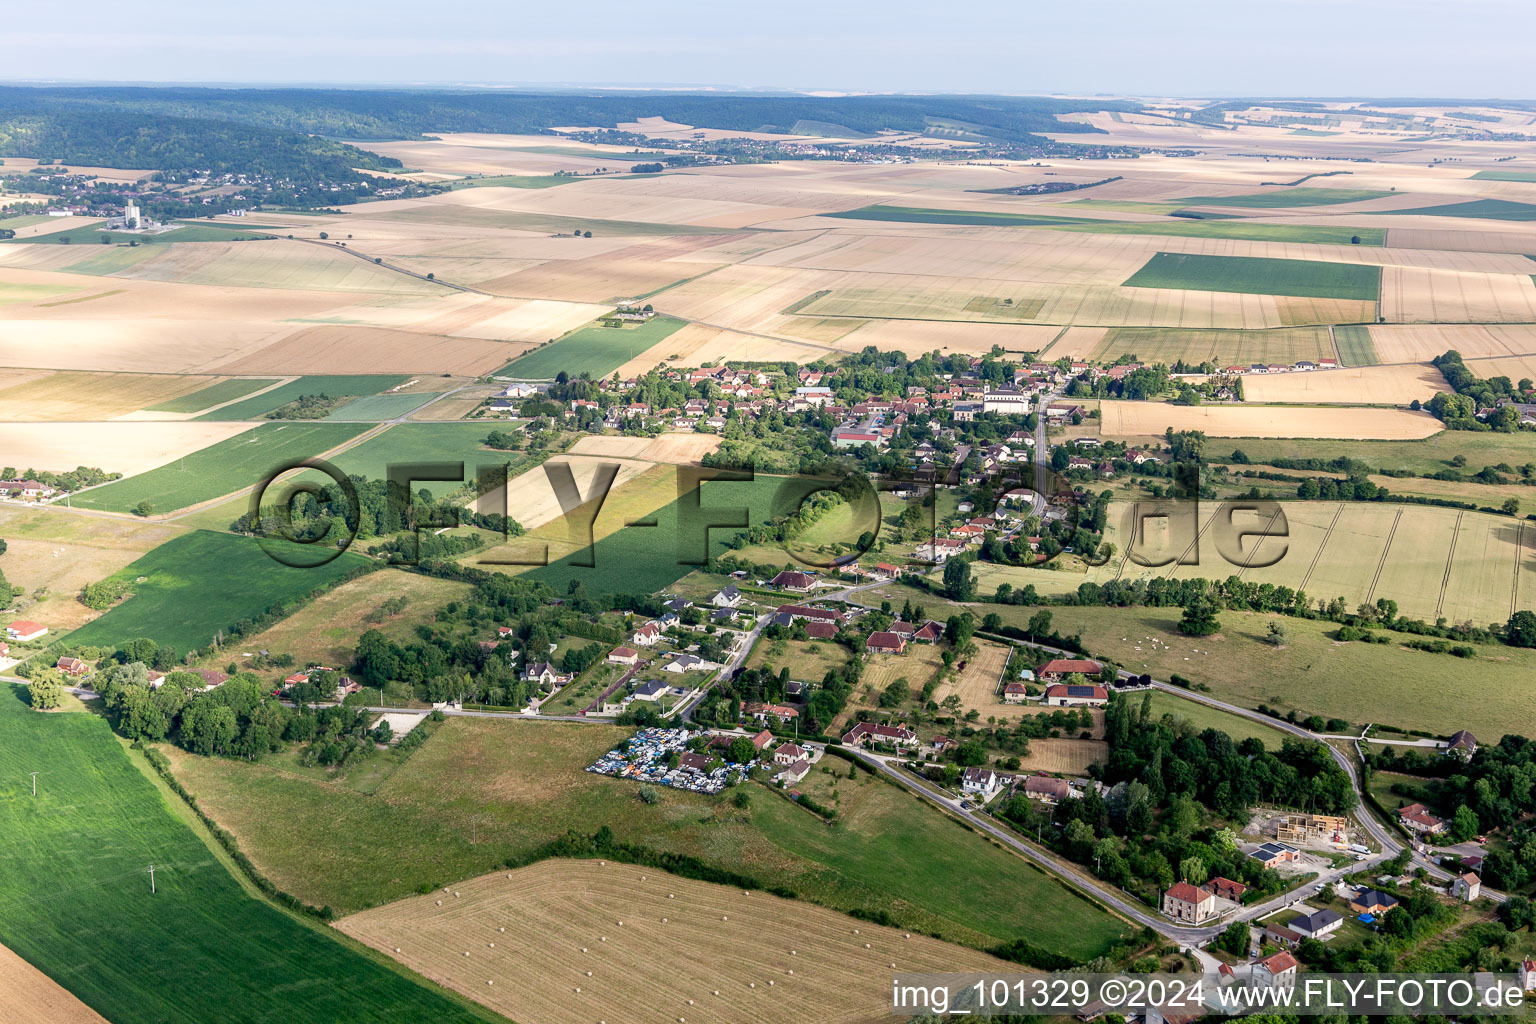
<point x="1367" y="918"/>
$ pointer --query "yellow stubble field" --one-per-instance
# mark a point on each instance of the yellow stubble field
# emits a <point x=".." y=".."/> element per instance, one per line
<point x="576" y="942"/>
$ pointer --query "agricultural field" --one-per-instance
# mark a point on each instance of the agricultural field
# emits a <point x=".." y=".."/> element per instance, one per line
<point x="525" y="783"/>
<point x="214" y="394"/>
<point x="377" y="408"/>
<point x="979" y="683"/>
<point x="1355" y="345"/>
<point x="1478" y="209"/>
<point x="258" y="406"/>
<point x="544" y="933"/>
<point x="1429" y="455"/>
<point x="86" y="841"/>
<point x="595" y="351"/>
<point x="1222" y="347"/>
<point x="425" y="442"/>
<point x="116" y="446"/>
<point x="90" y="396"/>
<point x="1173" y="227"/>
<point x="1290" y="197"/>
<point x="1064" y="756"/>
<point x="238" y="462"/>
<point x="200" y="583"/>
<point x="1259" y="276"/>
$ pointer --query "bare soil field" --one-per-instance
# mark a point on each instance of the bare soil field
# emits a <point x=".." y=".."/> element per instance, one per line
<point x="28" y="996"/>
<point x="581" y="943"/>
<point x="122" y="446"/>
<point x="54" y="554"/>
<point x="1145" y="418"/>
<point x="1365" y="385"/>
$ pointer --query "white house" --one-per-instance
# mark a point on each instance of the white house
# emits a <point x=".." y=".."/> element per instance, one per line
<point x="647" y="635"/>
<point x="25" y="631"/>
<point x="727" y="597"/>
<point x="1467" y="886"/>
<point x="981" y="782"/>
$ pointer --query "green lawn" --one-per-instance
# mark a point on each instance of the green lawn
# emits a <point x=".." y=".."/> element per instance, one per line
<point x="1489" y="694"/>
<point x="524" y="783"/>
<point x="191" y="587"/>
<point x="1488" y="176"/>
<point x="240" y="461"/>
<point x="1202" y="716"/>
<point x="1355" y="345"/>
<point x="1259" y="276"/>
<point x="1286" y="198"/>
<point x="213" y="394"/>
<point x="1175" y="227"/>
<point x="1479" y="209"/>
<point x="337" y="386"/>
<point x="75" y="901"/>
<point x="596" y="351"/>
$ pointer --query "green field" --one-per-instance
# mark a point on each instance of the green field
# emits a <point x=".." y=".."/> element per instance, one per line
<point x="1223" y="347"/>
<point x="1174" y="227"/>
<point x="377" y="408"/>
<point x="1259" y="276"/>
<point x="645" y="559"/>
<point x="214" y="394"/>
<point x="524" y="782"/>
<point x="1479" y="209"/>
<point x="75" y="901"/>
<point x="425" y="442"/>
<point x="199" y="583"/>
<point x="335" y="385"/>
<point x="1312" y="673"/>
<point x="1281" y="199"/>
<point x="1203" y="716"/>
<point x="514" y="181"/>
<point x="237" y="462"/>
<point x="595" y="351"/>
<point x="1429" y="455"/>
<point x="1481" y="176"/>
<point x="1355" y="345"/>
<point x="95" y="233"/>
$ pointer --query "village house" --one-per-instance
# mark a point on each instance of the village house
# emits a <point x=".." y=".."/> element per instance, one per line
<point x="805" y="611"/>
<point x="763" y="712"/>
<point x="1373" y="902"/>
<point x="793" y="773"/>
<point x="72" y="666"/>
<point x="1463" y="745"/>
<point x="623" y="656"/>
<point x="820" y="630"/>
<point x="790" y="579"/>
<point x="1272" y="855"/>
<point x="888" y="643"/>
<point x="1225" y="888"/>
<point x="542" y="672"/>
<point x="647" y="635"/>
<point x="981" y="782"/>
<point x="727" y="597"/>
<point x="687" y="663"/>
<point x="1046" y="789"/>
<point x="1015" y="692"/>
<point x="1057" y="669"/>
<point x="651" y="690"/>
<point x="867" y="733"/>
<point x="1183" y="902"/>
<point x="1416" y="818"/>
<point x="30" y="490"/>
<point x="1277" y="968"/>
<point x="1317" y="924"/>
<point x="1062" y="695"/>
<point x="1280" y="935"/>
<point x="1467" y="886"/>
<point x="788" y="753"/>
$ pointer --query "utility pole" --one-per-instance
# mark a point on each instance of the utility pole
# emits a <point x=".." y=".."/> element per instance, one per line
<point x="34" y="782"/>
<point x="151" y="879"/>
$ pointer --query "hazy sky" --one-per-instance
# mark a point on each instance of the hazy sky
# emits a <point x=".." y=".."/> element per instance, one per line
<point x="1454" y="48"/>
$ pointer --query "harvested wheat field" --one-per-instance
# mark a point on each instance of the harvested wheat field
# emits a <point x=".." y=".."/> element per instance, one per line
<point x="529" y="498"/>
<point x="122" y="446"/>
<point x="680" y="449"/>
<point x="1140" y="419"/>
<point x="582" y="941"/>
<point x="1064" y="756"/>
<point x="342" y="349"/>
<point x="978" y="684"/>
<point x="1361" y="385"/>
<point x="1417" y="343"/>
<point x="77" y="396"/>
<point x="1412" y="295"/>
<point x="28" y="996"/>
<point x="916" y="338"/>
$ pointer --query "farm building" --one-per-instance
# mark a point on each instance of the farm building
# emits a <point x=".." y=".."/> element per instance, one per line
<point x="791" y="579"/>
<point x="1184" y="902"/>
<point x="25" y="631"/>
<point x="820" y="630"/>
<point x="791" y="774"/>
<point x="1057" y="669"/>
<point x="1066" y="695"/>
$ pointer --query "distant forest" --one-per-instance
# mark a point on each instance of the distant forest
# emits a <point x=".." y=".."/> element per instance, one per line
<point x="390" y="114"/>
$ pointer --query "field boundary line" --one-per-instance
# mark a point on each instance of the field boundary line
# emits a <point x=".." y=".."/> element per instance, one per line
<point x="1381" y="563"/>
<point x="1514" y="588"/>
<point x="1248" y="562"/>
<point x="1450" y="556"/>
<point x="1328" y="535"/>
